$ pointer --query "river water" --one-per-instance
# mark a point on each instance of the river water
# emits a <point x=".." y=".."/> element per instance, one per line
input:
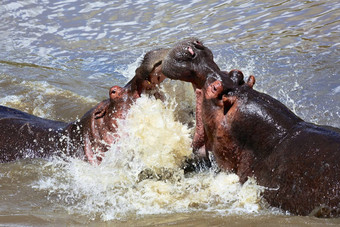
<point x="59" y="58"/>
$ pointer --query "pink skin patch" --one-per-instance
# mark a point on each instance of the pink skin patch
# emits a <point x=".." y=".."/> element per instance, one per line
<point x="214" y="89"/>
<point x="191" y="51"/>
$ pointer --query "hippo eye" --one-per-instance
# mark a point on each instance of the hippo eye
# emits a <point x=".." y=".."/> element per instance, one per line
<point x="113" y="91"/>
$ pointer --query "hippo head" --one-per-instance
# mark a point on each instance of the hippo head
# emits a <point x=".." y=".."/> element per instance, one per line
<point x="100" y="124"/>
<point x="149" y="74"/>
<point x="190" y="61"/>
<point x="118" y="102"/>
<point x="222" y="93"/>
<point x="219" y="102"/>
<point x="210" y="106"/>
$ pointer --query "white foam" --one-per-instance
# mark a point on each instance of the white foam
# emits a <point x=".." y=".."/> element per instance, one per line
<point x="151" y="138"/>
<point x="129" y="71"/>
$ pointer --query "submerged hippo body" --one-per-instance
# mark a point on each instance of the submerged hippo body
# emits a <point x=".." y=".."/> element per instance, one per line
<point x="24" y="135"/>
<point x="253" y="134"/>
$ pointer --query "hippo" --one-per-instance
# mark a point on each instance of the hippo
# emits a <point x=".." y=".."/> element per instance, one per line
<point x="254" y="135"/>
<point x="24" y="135"/>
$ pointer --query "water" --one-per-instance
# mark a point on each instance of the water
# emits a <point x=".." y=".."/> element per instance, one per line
<point x="59" y="59"/>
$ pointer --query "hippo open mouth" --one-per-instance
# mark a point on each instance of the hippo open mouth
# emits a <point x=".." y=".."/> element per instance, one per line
<point x="232" y="83"/>
<point x="215" y="90"/>
<point x="222" y="96"/>
<point x="228" y="102"/>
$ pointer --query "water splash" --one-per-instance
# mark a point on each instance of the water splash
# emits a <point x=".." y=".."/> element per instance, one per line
<point x="141" y="174"/>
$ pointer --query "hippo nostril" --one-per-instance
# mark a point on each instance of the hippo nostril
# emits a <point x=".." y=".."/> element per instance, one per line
<point x="191" y="51"/>
<point x="198" y="45"/>
<point x="215" y="89"/>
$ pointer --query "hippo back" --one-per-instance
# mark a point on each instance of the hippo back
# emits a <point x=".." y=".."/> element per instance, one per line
<point x="7" y="113"/>
<point x="23" y="134"/>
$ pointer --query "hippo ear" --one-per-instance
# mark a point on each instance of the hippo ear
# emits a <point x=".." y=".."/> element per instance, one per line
<point x="100" y="110"/>
<point x="99" y="113"/>
<point x="236" y="76"/>
<point x="251" y="81"/>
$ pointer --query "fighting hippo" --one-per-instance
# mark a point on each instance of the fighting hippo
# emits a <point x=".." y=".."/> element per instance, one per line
<point x="24" y="135"/>
<point x="252" y="134"/>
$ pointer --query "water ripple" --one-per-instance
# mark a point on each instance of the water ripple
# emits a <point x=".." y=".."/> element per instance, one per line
<point x="72" y="35"/>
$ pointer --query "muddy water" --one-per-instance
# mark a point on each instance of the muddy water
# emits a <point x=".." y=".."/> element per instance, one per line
<point x="58" y="59"/>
